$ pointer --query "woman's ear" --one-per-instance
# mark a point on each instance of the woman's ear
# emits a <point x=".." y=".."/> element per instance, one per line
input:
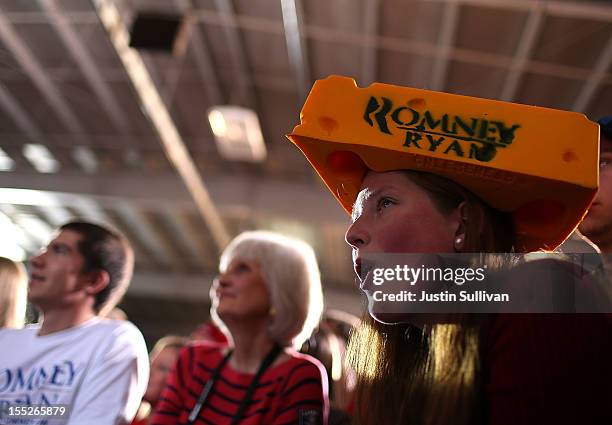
<point x="97" y="280"/>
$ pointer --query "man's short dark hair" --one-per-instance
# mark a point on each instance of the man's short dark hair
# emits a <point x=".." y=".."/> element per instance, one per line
<point x="108" y="250"/>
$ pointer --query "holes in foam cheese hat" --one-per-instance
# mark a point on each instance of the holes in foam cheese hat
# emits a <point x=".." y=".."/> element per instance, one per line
<point x="539" y="218"/>
<point x="569" y="156"/>
<point x="348" y="170"/>
<point x="328" y="124"/>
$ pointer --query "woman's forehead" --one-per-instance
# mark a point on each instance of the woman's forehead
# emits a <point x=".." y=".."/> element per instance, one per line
<point x="374" y="178"/>
<point x="238" y="258"/>
<point x="375" y="182"/>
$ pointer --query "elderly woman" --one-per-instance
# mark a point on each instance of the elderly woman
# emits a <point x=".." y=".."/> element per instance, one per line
<point x="13" y="294"/>
<point x="425" y="172"/>
<point x="267" y="299"/>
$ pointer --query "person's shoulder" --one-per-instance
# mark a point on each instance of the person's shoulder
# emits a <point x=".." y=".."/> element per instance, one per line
<point x="204" y="354"/>
<point x="117" y="333"/>
<point x="19" y="333"/>
<point x="114" y="328"/>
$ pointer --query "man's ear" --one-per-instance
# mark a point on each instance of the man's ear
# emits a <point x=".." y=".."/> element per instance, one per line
<point x="96" y="281"/>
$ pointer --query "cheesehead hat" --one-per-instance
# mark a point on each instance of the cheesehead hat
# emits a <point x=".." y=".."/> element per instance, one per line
<point x="539" y="164"/>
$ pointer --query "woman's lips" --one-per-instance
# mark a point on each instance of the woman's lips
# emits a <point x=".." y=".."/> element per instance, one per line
<point x="225" y="294"/>
<point x="363" y="269"/>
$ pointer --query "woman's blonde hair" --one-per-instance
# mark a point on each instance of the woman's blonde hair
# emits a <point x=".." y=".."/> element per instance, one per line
<point x="13" y="293"/>
<point x="291" y="274"/>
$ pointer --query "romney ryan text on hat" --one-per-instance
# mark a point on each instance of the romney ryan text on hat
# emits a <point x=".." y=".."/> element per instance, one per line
<point x="538" y="163"/>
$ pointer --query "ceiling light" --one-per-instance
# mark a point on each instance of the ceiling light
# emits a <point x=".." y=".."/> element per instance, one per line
<point x="6" y="162"/>
<point x="237" y="133"/>
<point x="28" y="197"/>
<point x="41" y="158"/>
<point x="39" y="230"/>
<point x="12" y="239"/>
<point x="86" y="158"/>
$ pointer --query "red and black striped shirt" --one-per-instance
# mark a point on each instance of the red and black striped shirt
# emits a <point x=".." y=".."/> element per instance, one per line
<point x="286" y="391"/>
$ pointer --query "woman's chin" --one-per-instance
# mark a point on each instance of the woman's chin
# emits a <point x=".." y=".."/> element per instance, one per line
<point x="419" y="320"/>
<point x="385" y="317"/>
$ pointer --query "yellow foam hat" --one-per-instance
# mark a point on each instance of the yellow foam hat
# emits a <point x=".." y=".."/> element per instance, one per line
<point x="540" y="164"/>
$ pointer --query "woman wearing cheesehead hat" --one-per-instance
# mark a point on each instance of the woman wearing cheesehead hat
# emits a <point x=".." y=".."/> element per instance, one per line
<point x="426" y="172"/>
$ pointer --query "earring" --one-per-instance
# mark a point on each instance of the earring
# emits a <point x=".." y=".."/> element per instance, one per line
<point x="459" y="243"/>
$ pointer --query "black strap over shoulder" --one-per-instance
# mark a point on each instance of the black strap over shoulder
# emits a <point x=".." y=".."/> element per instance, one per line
<point x="207" y="389"/>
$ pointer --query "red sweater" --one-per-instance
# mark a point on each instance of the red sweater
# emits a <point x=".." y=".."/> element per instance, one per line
<point x="285" y="393"/>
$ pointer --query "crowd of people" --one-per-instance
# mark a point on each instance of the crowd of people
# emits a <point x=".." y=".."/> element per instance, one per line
<point x="270" y="355"/>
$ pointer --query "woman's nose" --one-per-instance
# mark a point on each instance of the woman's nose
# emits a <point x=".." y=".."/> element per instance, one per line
<point x="222" y="280"/>
<point x="357" y="236"/>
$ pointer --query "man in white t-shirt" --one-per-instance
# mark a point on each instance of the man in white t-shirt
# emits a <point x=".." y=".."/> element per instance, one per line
<point x="92" y="369"/>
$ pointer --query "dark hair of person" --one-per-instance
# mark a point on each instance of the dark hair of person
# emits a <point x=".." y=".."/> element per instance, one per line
<point x="107" y="250"/>
<point x="407" y="375"/>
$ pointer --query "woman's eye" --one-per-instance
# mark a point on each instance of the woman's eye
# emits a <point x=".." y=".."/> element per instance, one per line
<point x="383" y="203"/>
<point x="242" y="267"/>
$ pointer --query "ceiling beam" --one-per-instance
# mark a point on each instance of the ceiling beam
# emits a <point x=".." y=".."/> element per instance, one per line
<point x="446" y="40"/>
<point x="172" y="142"/>
<point x="269" y="197"/>
<point x="90" y="209"/>
<point x="595" y="79"/>
<point x="12" y="107"/>
<point x="147" y="236"/>
<point x="598" y="11"/>
<point x="296" y="45"/>
<point x="86" y="208"/>
<point x="80" y="53"/>
<point x="38" y="75"/>
<point x="30" y="240"/>
<point x="184" y="236"/>
<point x="38" y="17"/>
<point x="523" y="52"/>
<point x="237" y="53"/>
<point x="392" y="44"/>
<point x="167" y="83"/>
<point x="202" y="56"/>
<point x="369" y="58"/>
<point x="570" y="9"/>
<point x="56" y="216"/>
